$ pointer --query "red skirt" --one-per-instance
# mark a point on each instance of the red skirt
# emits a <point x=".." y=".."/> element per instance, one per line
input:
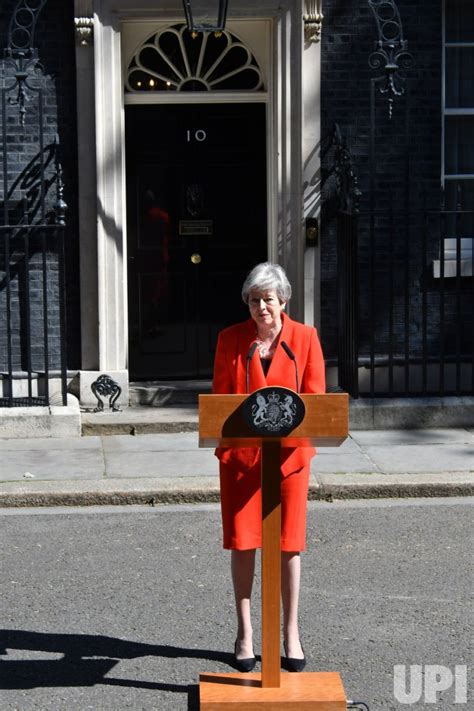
<point x="241" y="508"/>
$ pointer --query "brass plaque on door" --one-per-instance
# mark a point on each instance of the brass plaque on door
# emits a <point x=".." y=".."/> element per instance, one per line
<point x="195" y="227"/>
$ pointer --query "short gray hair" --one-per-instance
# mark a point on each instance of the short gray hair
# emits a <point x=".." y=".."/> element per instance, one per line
<point x="266" y="276"/>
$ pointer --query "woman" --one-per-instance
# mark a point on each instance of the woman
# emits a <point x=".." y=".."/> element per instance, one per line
<point x="266" y="290"/>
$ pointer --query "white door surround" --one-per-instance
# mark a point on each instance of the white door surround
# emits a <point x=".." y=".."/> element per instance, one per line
<point x="276" y="38"/>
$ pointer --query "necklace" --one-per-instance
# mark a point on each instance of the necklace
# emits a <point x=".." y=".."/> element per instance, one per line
<point x="264" y="350"/>
<point x="267" y="347"/>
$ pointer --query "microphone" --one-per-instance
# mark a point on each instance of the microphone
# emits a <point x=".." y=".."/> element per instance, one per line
<point x="252" y="350"/>
<point x="291" y="356"/>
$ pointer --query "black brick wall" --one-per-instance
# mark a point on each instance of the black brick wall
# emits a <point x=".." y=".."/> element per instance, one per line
<point x="54" y="40"/>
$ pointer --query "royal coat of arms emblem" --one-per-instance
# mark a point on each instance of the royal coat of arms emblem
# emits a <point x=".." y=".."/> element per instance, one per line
<point x="275" y="410"/>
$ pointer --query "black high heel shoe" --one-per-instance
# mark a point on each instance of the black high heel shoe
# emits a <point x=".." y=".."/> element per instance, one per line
<point x="292" y="664"/>
<point x="243" y="665"/>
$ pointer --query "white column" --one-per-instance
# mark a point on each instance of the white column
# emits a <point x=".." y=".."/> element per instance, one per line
<point x="288" y="135"/>
<point x="110" y="162"/>
<point x="311" y="155"/>
<point x="87" y="184"/>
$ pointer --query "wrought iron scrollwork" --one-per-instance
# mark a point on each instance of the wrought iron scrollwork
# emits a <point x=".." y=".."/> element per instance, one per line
<point x="107" y="387"/>
<point x="27" y="74"/>
<point x="21" y="56"/>
<point x="347" y="189"/>
<point x="21" y="32"/>
<point x="391" y="53"/>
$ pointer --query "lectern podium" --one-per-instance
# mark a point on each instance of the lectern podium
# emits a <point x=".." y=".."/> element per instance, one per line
<point x="223" y="423"/>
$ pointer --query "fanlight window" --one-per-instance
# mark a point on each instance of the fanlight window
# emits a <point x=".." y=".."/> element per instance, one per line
<point x="174" y="60"/>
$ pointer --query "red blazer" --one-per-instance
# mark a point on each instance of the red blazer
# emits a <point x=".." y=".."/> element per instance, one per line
<point x="230" y="377"/>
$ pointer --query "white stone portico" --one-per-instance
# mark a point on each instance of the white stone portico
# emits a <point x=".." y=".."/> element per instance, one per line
<point x="274" y="31"/>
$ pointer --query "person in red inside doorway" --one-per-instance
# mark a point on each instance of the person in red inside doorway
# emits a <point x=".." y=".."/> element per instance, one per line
<point x="156" y="238"/>
<point x="266" y="291"/>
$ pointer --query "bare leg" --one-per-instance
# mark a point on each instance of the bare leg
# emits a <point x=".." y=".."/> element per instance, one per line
<point x="290" y="593"/>
<point x="243" y="567"/>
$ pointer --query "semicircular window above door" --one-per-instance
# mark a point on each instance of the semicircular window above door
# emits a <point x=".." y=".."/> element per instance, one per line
<point x="174" y="60"/>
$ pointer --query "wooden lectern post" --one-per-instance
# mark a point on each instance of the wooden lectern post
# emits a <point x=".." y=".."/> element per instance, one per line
<point x="222" y="424"/>
<point x="271" y="563"/>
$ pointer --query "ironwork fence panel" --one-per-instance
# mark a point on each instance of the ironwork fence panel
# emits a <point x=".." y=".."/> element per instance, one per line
<point x="32" y="234"/>
<point x="405" y="293"/>
<point x="415" y="323"/>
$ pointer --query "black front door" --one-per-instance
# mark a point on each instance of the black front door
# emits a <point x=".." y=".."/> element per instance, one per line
<point x="197" y="222"/>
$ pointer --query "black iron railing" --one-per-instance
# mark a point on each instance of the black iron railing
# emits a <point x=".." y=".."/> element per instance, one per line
<point x="347" y="302"/>
<point x="32" y="300"/>
<point x="410" y="330"/>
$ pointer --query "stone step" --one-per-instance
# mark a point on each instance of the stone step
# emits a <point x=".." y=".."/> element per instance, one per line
<point x="141" y="420"/>
<point x="159" y="393"/>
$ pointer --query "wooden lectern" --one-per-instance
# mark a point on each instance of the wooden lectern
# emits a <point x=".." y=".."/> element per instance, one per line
<point x="222" y="424"/>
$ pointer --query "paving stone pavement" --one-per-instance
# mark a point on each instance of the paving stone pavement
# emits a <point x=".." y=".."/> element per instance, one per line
<point x="171" y="467"/>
